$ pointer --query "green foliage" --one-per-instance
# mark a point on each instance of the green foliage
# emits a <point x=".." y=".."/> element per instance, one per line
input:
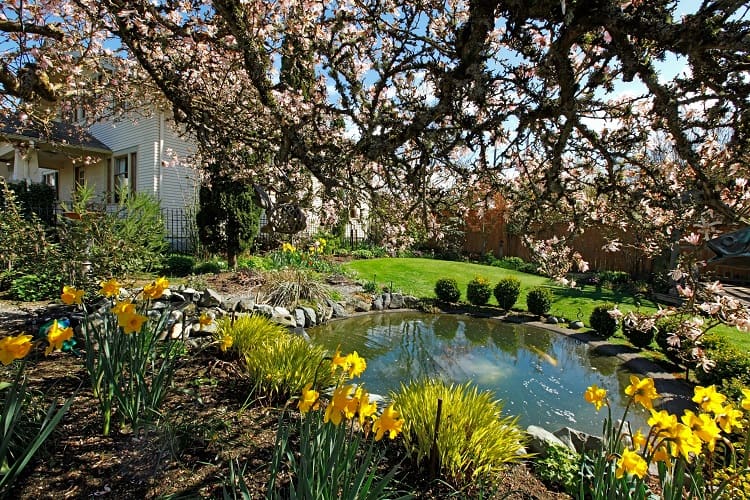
<point x="362" y="253"/>
<point x="178" y="265"/>
<point x="131" y="372"/>
<point x="639" y="337"/>
<point x="478" y="291"/>
<point x="213" y="266"/>
<point x="528" y="268"/>
<point x="539" y="300"/>
<point x="333" y="461"/>
<point x="253" y="262"/>
<point x="32" y="287"/>
<point x="513" y="263"/>
<point x="474" y="440"/>
<point x="732" y="369"/>
<point x="370" y="286"/>
<point x="601" y="321"/>
<point x="34" y="198"/>
<point x="24" y="247"/>
<point x="507" y="291"/>
<point x="279" y="363"/>
<point x="122" y="241"/>
<point x="228" y="219"/>
<point x="735" y="481"/>
<point x="613" y="278"/>
<point x="287" y="287"/>
<point x="24" y="431"/>
<point x="446" y="289"/>
<point x="678" y="354"/>
<point x="560" y="469"/>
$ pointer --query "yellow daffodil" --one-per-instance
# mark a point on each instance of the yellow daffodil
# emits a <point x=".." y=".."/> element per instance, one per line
<point x="309" y="399"/>
<point x="660" y="454"/>
<point x="205" y="319"/>
<point x="288" y="247"/>
<point x="596" y="396"/>
<point x="390" y="422"/>
<point x="684" y="441"/>
<point x="702" y="426"/>
<point x="746" y="399"/>
<point x="638" y="440"/>
<point x="728" y="418"/>
<point x="339" y="361"/>
<point x="365" y="407"/>
<point x="13" y="348"/>
<point x="56" y="336"/>
<point x="71" y="295"/>
<point x="156" y="289"/>
<point x="357" y="365"/>
<point x="661" y="421"/>
<point x="226" y="342"/>
<point x="123" y="307"/>
<point x="110" y="288"/>
<point x="339" y="405"/>
<point x="131" y="322"/>
<point x="708" y="399"/>
<point x="632" y="463"/>
<point x="642" y="391"/>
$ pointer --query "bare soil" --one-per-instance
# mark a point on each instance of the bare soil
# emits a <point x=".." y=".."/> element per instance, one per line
<point x="209" y="420"/>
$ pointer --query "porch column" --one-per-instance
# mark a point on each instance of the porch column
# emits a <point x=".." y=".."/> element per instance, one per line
<point x="26" y="164"/>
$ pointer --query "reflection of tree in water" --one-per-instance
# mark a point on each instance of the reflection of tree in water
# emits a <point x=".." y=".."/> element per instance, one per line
<point x="539" y="339"/>
<point x="506" y="338"/>
<point x="607" y="365"/>
<point x="445" y="326"/>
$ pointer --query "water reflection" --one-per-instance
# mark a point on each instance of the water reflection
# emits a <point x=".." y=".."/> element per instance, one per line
<point x="540" y="375"/>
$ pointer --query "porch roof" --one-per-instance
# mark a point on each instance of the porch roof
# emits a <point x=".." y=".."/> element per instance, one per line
<point x="54" y="133"/>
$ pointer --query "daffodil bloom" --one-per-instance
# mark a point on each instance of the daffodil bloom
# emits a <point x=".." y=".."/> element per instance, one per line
<point x="71" y="295"/>
<point x="339" y="361"/>
<point x="702" y="426"/>
<point x="123" y="307"/>
<point x="596" y="396"/>
<point x="642" y="391"/>
<point x="684" y="441"/>
<point x="708" y="399"/>
<point x="156" y="289"/>
<point x="660" y="454"/>
<point x="13" y="348"/>
<point x="131" y="322"/>
<point x="357" y="365"/>
<point x="729" y="418"/>
<point x="205" y="319"/>
<point x="339" y="405"/>
<point x="226" y="342"/>
<point x="661" y="421"/>
<point x="746" y="399"/>
<point x="309" y="399"/>
<point x="110" y="288"/>
<point x="632" y="463"/>
<point x="390" y="422"/>
<point x="638" y="440"/>
<point x="365" y="407"/>
<point x="56" y="336"/>
<point x="288" y="247"/>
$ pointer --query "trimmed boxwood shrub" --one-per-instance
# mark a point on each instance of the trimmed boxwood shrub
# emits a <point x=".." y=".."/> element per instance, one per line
<point x="636" y="336"/>
<point x="506" y="292"/>
<point x="539" y="300"/>
<point x="478" y="291"/>
<point x="732" y="370"/>
<point x="600" y="320"/>
<point x="446" y="289"/>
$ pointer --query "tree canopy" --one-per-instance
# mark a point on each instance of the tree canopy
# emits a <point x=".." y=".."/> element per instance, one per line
<point x="561" y="105"/>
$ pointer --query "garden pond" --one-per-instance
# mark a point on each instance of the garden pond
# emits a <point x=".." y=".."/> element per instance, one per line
<point x="540" y="375"/>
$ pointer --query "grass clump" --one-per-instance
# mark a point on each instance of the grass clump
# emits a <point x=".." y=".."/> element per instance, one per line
<point x="279" y="363"/>
<point x="478" y="291"/>
<point x="287" y="287"/>
<point x="474" y="440"/>
<point x="446" y="290"/>
<point x="507" y="291"/>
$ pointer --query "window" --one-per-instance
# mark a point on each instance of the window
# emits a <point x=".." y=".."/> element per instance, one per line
<point x="80" y="176"/>
<point x="124" y="173"/>
<point x="51" y="179"/>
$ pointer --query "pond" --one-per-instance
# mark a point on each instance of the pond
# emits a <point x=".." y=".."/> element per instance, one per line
<point x="539" y="375"/>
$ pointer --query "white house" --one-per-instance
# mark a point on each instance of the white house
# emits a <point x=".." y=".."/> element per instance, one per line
<point x="138" y="151"/>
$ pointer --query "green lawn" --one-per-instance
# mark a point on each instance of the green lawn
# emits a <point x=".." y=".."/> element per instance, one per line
<point x="418" y="276"/>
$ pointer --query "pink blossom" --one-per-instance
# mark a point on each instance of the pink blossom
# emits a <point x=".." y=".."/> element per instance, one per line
<point x="685" y="291"/>
<point x="693" y="239"/>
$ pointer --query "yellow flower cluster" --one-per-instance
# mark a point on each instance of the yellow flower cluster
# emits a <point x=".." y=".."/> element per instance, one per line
<point x="127" y="316"/>
<point x="71" y="296"/>
<point x="56" y="336"/>
<point x="348" y="402"/>
<point x="669" y="437"/>
<point x="288" y="247"/>
<point x="318" y="246"/>
<point x="156" y="288"/>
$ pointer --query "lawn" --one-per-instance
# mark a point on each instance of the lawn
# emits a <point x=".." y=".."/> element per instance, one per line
<point x="418" y="276"/>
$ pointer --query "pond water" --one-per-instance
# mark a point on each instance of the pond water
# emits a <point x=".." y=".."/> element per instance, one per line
<point x="539" y="375"/>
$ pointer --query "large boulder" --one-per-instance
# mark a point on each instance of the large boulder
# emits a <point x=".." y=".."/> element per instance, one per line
<point x="541" y="439"/>
<point x="397" y="301"/>
<point x="578" y="440"/>
<point x="311" y="317"/>
<point x="210" y="298"/>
